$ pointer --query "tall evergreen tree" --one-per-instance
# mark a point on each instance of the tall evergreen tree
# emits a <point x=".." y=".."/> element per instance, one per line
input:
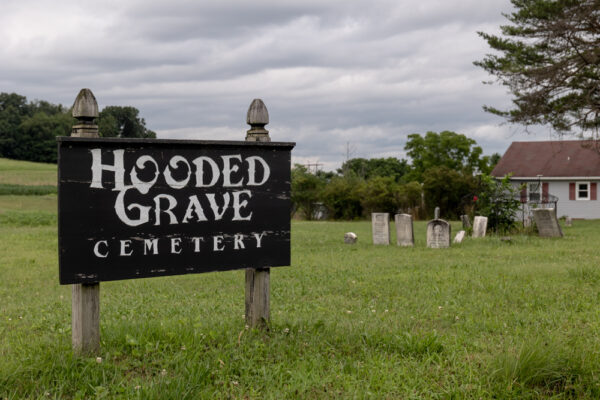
<point x="549" y="58"/>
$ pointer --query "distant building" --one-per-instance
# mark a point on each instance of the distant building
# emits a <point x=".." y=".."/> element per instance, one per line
<point x="561" y="173"/>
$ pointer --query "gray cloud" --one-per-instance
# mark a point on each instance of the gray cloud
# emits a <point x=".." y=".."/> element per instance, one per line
<point x="333" y="74"/>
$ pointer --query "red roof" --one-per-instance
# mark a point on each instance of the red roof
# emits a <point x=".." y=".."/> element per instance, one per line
<point x="569" y="158"/>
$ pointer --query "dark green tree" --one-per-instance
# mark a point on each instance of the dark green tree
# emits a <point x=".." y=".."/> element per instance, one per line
<point x="497" y="200"/>
<point x="343" y="197"/>
<point x="37" y="136"/>
<point x="306" y="190"/>
<point x="13" y="109"/>
<point x="369" y="168"/>
<point x="446" y="188"/>
<point x="123" y="122"/>
<point x="549" y="58"/>
<point x="381" y="194"/>
<point x="445" y="149"/>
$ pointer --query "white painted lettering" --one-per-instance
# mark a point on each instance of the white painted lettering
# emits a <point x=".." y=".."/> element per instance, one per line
<point x="252" y="171"/>
<point x="141" y="186"/>
<point x="97" y="252"/>
<point x="150" y="245"/>
<point x="215" y="207"/>
<point x="169" y="178"/>
<point x="194" y="207"/>
<point x="217" y="240"/>
<point x="157" y="209"/>
<point x="98" y="167"/>
<point x="120" y="210"/>
<point x="125" y="246"/>
<point x="237" y="205"/>
<point x="259" y="239"/>
<point x="228" y="169"/>
<point x="175" y="245"/>
<point x="238" y="242"/>
<point x="197" y="241"/>
<point x="199" y="162"/>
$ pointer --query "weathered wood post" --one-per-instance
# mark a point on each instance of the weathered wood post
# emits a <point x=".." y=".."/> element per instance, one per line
<point x="257" y="279"/>
<point x="85" y="309"/>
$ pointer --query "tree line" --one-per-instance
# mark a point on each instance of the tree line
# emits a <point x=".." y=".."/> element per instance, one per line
<point x="28" y="130"/>
<point x="446" y="169"/>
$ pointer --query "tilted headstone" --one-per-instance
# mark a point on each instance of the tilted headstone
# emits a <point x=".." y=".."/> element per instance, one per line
<point x="466" y="222"/>
<point x="438" y="234"/>
<point x="380" y="223"/>
<point x="436" y="213"/>
<point x="568" y="221"/>
<point x="479" y="226"/>
<point x="546" y="222"/>
<point x="459" y="237"/>
<point x="350" y="238"/>
<point x="404" y="230"/>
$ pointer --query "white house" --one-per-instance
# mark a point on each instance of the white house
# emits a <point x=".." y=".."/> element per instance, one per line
<point x="567" y="172"/>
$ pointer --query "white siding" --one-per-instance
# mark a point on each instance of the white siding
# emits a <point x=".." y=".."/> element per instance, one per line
<point x="583" y="209"/>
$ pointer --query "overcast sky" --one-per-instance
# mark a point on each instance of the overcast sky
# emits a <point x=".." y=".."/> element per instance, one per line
<point x="338" y="76"/>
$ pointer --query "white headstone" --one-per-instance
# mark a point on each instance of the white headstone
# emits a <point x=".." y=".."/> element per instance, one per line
<point x="350" y="238"/>
<point x="459" y="237"/>
<point x="380" y="223"/>
<point x="438" y="234"/>
<point x="479" y="226"/>
<point x="404" y="230"/>
<point x="546" y="222"/>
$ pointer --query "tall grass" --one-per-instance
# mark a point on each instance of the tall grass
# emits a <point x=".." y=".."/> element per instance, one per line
<point x="484" y="319"/>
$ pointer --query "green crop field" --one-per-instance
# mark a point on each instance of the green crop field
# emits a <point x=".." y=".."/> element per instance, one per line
<point x="16" y="172"/>
<point x="484" y="319"/>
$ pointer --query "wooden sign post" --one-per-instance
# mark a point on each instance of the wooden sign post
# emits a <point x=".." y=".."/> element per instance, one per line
<point x="258" y="280"/>
<point x="139" y="208"/>
<point x="85" y="297"/>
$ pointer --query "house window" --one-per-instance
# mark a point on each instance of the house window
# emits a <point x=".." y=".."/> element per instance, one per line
<point x="533" y="188"/>
<point x="583" y="190"/>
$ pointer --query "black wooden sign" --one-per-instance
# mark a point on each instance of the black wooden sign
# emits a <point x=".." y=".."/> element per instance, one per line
<point x="140" y="208"/>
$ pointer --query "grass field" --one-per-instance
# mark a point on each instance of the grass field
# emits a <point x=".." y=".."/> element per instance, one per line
<point x="16" y="172"/>
<point x="481" y="320"/>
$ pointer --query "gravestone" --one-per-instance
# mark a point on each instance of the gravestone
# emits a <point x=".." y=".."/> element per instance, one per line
<point x="380" y="223"/>
<point x="568" y="221"/>
<point x="479" y="226"/>
<point x="404" y="230"/>
<point x="438" y="234"/>
<point x="350" y="238"/>
<point x="459" y="237"/>
<point x="546" y="222"/>
<point x="436" y="213"/>
<point x="526" y="222"/>
<point x="466" y="223"/>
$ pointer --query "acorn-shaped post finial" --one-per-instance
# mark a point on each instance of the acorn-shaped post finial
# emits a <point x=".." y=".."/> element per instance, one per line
<point x="257" y="118"/>
<point x="85" y="110"/>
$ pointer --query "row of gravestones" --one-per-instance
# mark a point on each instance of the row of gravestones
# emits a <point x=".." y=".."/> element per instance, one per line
<point x="438" y="230"/>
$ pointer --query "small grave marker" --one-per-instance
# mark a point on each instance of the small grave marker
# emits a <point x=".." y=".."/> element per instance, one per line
<point x="546" y="222"/>
<point x="404" y="230"/>
<point x="459" y="237"/>
<point x="438" y="234"/>
<point x="479" y="226"/>
<point x="350" y="238"/>
<point x="568" y="221"/>
<point x="380" y="223"/>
